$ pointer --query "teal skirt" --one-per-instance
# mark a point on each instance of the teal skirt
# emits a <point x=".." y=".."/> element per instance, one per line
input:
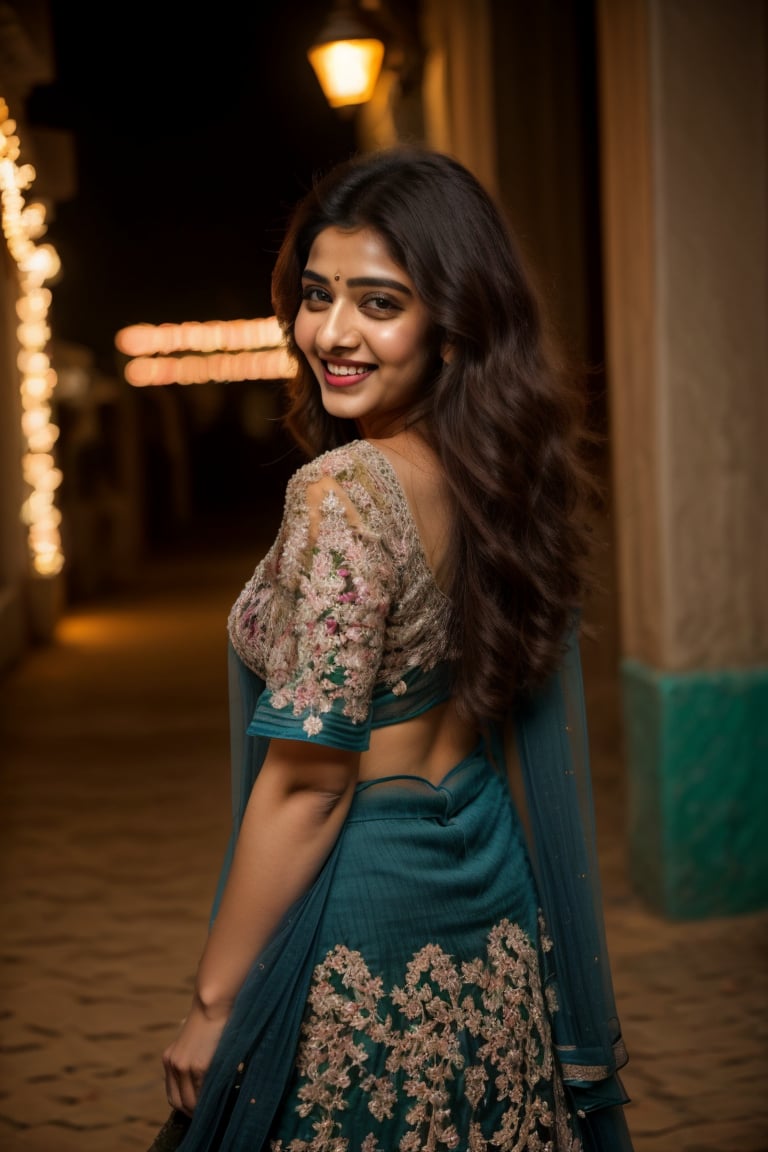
<point x="404" y="1004"/>
<point x="427" y="1018"/>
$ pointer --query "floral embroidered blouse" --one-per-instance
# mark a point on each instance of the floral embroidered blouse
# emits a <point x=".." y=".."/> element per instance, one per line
<point x="342" y="619"/>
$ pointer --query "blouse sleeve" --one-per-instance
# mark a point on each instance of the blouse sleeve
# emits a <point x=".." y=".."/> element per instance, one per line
<point x="332" y="585"/>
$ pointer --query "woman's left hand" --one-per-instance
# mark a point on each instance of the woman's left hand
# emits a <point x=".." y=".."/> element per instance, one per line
<point x="188" y="1058"/>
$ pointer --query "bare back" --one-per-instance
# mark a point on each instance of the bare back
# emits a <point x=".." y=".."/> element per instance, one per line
<point x="428" y="745"/>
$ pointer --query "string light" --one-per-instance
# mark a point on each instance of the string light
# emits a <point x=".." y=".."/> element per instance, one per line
<point x="23" y="224"/>
<point x="199" y="352"/>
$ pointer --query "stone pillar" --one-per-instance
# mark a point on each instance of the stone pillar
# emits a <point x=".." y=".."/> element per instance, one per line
<point x="683" y="107"/>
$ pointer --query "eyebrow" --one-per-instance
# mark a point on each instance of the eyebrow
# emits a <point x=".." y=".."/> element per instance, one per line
<point x="360" y="281"/>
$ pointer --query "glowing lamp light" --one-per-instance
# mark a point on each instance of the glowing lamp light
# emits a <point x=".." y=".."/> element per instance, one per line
<point x="347" y="70"/>
<point x="346" y="58"/>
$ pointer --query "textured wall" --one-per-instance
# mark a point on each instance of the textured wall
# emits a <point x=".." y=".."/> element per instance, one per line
<point x="684" y="113"/>
<point x="711" y="196"/>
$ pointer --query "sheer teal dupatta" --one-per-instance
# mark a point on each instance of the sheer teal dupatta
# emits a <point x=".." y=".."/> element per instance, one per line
<point x="552" y="746"/>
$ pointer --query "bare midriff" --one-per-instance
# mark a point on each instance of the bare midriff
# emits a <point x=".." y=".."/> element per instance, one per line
<point x="428" y="746"/>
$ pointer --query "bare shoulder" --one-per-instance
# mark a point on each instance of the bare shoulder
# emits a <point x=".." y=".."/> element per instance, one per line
<point x="416" y="464"/>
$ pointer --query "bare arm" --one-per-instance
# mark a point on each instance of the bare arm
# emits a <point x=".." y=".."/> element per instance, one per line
<point x="294" y="815"/>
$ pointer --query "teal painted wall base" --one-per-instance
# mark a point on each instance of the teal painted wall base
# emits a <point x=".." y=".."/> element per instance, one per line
<point x="697" y="749"/>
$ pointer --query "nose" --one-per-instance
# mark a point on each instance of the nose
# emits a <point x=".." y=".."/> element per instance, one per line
<point x="337" y="328"/>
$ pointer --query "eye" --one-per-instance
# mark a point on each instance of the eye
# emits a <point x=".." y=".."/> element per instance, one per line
<point x="314" y="294"/>
<point x="381" y="304"/>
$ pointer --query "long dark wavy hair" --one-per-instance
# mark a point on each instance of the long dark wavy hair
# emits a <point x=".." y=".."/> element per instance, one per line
<point x="504" y="418"/>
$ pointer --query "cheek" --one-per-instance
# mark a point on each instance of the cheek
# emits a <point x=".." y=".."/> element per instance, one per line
<point x="303" y="331"/>
<point x="401" y="347"/>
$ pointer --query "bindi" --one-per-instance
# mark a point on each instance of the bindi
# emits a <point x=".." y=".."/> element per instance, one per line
<point x="336" y="276"/>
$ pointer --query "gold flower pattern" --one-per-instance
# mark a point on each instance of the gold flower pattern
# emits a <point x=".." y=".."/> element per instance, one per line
<point x="450" y="1044"/>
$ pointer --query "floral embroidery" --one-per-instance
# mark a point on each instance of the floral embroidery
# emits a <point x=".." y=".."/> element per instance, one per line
<point x="451" y="1046"/>
<point x="343" y="601"/>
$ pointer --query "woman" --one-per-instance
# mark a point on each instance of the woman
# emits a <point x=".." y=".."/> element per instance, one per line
<point x="390" y="965"/>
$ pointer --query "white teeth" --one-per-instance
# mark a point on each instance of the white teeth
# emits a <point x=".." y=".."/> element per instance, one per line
<point x="345" y="370"/>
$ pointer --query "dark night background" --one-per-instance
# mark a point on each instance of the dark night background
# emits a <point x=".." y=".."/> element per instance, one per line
<point x="195" y="131"/>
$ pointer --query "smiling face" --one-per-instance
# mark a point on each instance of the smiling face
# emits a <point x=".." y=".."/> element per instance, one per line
<point x="367" y="336"/>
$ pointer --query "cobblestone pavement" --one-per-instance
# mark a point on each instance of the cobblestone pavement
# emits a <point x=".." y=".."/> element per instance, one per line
<point x="113" y="817"/>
